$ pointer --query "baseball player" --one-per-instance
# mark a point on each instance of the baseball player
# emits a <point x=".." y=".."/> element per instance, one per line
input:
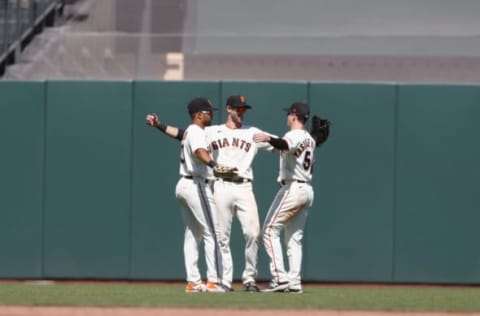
<point x="289" y="209"/>
<point x="196" y="199"/>
<point x="232" y="144"/>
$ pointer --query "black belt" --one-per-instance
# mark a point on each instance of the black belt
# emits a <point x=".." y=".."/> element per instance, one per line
<point x="191" y="178"/>
<point x="236" y="180"/>
<point x="283" y="182"/>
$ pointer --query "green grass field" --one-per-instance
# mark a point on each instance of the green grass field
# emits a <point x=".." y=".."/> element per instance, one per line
<point x="338" y="297"/>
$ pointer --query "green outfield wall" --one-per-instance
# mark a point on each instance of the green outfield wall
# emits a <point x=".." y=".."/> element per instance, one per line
<point x="87" y="189"/>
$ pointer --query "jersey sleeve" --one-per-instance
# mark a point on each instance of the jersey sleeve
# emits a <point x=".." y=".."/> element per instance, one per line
<point x="197" y="138"/>
<point x="292" y="141"/>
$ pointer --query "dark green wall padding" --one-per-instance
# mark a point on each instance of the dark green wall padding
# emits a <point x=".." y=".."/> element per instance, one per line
<point x="437" y="172"/>
<point x="88" y="179"/>
<point x="22" y="163"/>
<point x="88" y="189"/>
<point x="354" y="182"/>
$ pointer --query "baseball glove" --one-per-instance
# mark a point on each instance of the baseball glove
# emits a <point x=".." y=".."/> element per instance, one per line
<point x="320" y="130"/>
<point x="224" y="171"/>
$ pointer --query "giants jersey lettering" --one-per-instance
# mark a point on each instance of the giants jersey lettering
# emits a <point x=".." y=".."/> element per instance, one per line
<point x="234" y="147"/>
<point x="190" y="165"/>
<point x="297" y="162"/>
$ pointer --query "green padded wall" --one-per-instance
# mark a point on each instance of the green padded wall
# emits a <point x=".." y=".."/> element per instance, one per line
<point x="267" y="100"/>
<point x="438" y="201"/>
<point x="157" y="229"/>
<point x="88" y="189"/>
<point x="88" y="179"/>
<point x="22" y="138"/>
<point x="350" y="229"/>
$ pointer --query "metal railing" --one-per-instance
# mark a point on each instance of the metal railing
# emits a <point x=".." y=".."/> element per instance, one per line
<point x="19" y="17"/>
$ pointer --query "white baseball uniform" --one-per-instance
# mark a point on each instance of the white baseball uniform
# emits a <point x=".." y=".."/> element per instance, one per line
<point x="236" y="148"/>
<point x="198" y="209"/>
<point x="289" y="209"/>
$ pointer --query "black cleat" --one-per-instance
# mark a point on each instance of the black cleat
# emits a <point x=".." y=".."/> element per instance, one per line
<point x="251" y="287"/>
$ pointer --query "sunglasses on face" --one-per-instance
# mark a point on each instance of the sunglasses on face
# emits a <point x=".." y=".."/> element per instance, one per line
<point x="207" y="112"/>
<point x="240" y="110"/>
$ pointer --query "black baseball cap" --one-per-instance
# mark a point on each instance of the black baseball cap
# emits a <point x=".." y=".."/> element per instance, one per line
<point x="199" y="104"/>
<point x="238" y="101"/>
<point x="300" y="109"/>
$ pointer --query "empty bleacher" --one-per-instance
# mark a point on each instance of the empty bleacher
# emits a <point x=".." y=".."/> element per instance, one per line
<point x="20" y="22"/>
<point x="195" y="40"/>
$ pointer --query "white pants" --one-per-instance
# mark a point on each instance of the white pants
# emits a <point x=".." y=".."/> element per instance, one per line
<point x="237" y="199"/>
<point x="289" y="211"/>
<point x="199" y="217"/>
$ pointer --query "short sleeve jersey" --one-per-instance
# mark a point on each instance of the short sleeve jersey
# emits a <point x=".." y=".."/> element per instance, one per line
<point x="234" y="147"/>
<point x="190" y="165"/>
<point x="296" y="163"/>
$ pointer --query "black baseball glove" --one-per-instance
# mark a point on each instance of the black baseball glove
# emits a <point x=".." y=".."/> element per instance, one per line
<point x="320" y="130"/>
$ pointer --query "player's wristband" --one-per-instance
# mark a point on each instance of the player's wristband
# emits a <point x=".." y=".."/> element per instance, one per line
<point x="162" y="127"/>
<point x="211" y="164"/>
<point x="278" y="143"/>
<point x="180" y="134"/>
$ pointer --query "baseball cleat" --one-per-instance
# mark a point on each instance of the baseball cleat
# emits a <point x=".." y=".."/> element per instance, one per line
<point x="251" y="287"/>
<point x="215" y="288"/>
<point x="276" y="287"/>
<point x="295" y="290"/>
<point x="227" y="288"/>
<point x="195" y="288"/>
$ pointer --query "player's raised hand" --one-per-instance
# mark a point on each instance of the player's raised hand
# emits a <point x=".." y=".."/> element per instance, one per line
<point x="152" y="119"/>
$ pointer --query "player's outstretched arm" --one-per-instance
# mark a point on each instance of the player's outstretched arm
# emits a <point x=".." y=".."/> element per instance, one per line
<point x="278" y="143"/>
<point x="172" y="131"/>
<point x="265" y="145"/>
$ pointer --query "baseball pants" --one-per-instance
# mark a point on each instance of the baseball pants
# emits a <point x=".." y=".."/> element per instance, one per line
<point x="288" y="211"/>
<point x="199" y="217"/>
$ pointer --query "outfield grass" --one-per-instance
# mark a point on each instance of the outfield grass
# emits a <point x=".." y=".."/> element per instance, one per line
<point x="389" y="298"/>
